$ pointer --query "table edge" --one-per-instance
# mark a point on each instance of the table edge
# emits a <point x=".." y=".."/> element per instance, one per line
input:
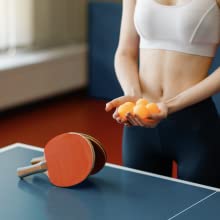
<point x="31" y="147"/>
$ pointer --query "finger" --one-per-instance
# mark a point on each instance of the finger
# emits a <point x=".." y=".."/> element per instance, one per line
<point x="132" y="122"/>
<point x="131" y="119"/>
<point x="114" y="103"/>
<point x="139" y="121"/>
<point x="146" y="122"/>
<point x="109" y="106"/>
<point x="125" y="122"/>
<point x="119" y="120"/>
<point x="115" y="115"/>
<point x="128" y="124"/>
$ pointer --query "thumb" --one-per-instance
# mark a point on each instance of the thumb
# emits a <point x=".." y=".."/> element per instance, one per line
<point x="114" y="103"/>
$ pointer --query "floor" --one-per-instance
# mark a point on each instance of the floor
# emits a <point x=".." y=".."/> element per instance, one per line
<point x="39" y="122"/>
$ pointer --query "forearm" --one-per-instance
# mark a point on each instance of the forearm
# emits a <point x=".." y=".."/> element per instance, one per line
<point x="202" y="90"/>
<point x="126" y="68"/>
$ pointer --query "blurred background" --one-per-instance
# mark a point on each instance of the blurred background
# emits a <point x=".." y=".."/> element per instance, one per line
<point x="56" y="71"/>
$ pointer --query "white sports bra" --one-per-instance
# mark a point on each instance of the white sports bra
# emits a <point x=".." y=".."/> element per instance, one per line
<point x="192" y="27"/>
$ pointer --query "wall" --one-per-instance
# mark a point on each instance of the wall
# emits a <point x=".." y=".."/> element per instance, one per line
<point x="59" y="22"/>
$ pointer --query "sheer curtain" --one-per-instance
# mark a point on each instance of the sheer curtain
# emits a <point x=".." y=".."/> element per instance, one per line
<point x="16" y="23"/>
<point x="40" y="24"/>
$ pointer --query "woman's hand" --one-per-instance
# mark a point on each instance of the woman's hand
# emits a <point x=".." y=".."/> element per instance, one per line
<point x="134" y="120"/>
<point x="115" y="103"/>
<point x="152" y="121"/>
<point x="163" y="112"/>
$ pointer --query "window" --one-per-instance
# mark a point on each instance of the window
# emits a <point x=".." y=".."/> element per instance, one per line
<point x="40" y="24"/>
<point x="16" y="17"/>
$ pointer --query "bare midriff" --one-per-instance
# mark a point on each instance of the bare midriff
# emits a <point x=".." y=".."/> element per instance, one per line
<point x="163" y="74"/>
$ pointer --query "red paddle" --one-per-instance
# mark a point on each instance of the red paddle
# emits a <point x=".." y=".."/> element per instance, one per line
<point x="100" y="154"/>
<point x="69" y="159"/>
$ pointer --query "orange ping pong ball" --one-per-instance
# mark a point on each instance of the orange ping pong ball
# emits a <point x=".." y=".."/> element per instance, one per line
<point x="125" y="108"/>
<point x="152" y="108"/>
<point x="141" y="102"/>
<point x="141" y="111"/>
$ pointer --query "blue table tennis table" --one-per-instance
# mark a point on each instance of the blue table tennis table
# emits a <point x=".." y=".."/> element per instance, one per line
<point x="115" y="192"/>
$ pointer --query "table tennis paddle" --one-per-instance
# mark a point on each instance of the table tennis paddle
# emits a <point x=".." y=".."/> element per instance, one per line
<point x="69" y="159"/>
<point x="100" y="154"/>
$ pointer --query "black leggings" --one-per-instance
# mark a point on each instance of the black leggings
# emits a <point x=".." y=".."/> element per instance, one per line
<point x="190" y="136"/>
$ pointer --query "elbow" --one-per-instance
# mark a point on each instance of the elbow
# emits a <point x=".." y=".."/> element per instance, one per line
<point x="125" y="54"/>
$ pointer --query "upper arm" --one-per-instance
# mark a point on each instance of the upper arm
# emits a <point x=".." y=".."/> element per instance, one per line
<point x="129" y="39"/>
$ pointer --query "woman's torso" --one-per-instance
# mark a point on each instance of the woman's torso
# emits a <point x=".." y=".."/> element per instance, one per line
<point x="166" y="73"/>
